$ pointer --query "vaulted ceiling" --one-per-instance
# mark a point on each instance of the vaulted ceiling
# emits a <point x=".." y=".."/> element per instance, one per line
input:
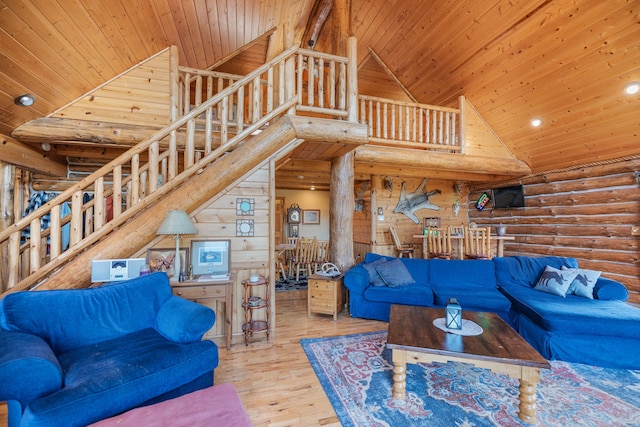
<point x="563" y="61"/>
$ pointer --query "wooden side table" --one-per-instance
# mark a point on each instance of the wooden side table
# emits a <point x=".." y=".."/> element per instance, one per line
<point x="325" y="295"/>
<point x="254" y="302"/>
<point x="208" y="293"/>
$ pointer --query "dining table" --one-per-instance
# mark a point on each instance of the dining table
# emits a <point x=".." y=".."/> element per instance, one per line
<point x="281" y="248"/>
<point x="458" y="241"/>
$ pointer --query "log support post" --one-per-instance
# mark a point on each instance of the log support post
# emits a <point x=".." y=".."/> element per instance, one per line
<point x="342" y="204"/>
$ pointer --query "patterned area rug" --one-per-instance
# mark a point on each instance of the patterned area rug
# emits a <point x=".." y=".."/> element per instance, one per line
<point x="356" y="373"/>
<point x="291" y="284"/>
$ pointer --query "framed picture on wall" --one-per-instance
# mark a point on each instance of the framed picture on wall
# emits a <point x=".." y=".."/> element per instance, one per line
<point x="311" y="216"/>
<point x="164" y="259"/>
<point x="210" y="257"/>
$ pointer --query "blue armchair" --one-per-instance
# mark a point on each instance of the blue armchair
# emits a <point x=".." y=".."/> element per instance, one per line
<point x="73" y="357"/>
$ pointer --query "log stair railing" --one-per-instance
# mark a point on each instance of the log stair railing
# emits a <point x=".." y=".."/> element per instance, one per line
<point x="150" y="171"/>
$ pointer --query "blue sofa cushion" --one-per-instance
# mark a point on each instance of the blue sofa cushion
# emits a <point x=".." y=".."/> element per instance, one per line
<point x="416" y="294"/>
<point x="554" y="281"/>
<point x="574" y="314"/>
<point x="584" y="282"/>
<point x="472" y="298"/>
<point x="525" y="271"/>
<point x="394" y="273"/>
<point x="112" y="376"/>
<point x="471" y="273"/>
<point x="607" y="289"/>
<point x="112" y="310"/>
<point x="374" y="277"/>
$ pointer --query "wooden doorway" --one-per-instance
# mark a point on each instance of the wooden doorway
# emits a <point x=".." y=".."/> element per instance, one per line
<point x="280" y="236"/>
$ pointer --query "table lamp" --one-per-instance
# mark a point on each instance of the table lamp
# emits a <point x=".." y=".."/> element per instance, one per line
<point x="176" y="223"/>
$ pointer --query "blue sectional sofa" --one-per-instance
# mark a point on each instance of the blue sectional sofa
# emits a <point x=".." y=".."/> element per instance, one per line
<point x="596" y="328"/>
<point x="74" y="357"/>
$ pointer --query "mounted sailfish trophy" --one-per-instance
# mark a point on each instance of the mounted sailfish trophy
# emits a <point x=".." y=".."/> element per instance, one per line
<point x="408" y="204"/>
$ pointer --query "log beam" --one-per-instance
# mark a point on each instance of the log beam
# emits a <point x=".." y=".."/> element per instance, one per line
<point x="28" y="158"/>
<point x="382" y="156"/>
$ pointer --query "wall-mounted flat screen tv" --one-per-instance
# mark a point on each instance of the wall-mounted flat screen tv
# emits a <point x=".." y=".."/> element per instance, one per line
<point x="508" y="197"/>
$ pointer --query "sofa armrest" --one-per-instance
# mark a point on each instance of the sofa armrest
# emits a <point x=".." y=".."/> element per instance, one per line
<point x="608" y="289"/>
<point x="356" y="280"/>
<point x="28" y="367"/>
<point x="184" y="321"/>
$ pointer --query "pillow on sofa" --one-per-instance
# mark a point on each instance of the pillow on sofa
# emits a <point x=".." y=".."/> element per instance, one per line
<point x="374" y="277"/>
<point x="583" y="283"/>
<point x="555" y="281"/>
<point x="394" y="273"/>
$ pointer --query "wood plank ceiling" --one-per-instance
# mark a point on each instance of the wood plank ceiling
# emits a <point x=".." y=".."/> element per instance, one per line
<point x="563" y="61"/>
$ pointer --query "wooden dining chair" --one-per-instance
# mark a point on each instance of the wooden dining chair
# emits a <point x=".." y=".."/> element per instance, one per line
<point x="304" y="258"/>
<point x="401" y="249"/>
<point x="439" y="243"/>
<point x="321" y="254"/>
<point x="456" y="233"/>
<point x="477" y="243"/>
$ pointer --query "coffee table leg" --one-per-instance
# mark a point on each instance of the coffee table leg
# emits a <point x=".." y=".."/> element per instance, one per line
<point x="528" y="384"/>
<point x="399" y="358"/>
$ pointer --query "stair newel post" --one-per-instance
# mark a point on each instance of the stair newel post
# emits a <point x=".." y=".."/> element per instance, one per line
<point x="154" y="152"/>
<point x="189" y="148"/>
<point x="290" y="72"/>
<point x="352" y="79"/>
<point x="255" y="105"/>
<point x="224" y="120"/>
<point x="117" y="191"/>
<point x="461" y="133"/>
<point x="15" y="263"/>
<point x="76" y="218"/>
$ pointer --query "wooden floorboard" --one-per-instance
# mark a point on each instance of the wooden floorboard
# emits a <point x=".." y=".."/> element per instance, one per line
<point x="274" y="379"/>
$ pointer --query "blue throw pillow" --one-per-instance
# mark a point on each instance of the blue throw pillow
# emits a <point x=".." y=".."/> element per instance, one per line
<point x="374" y="277"/>
<point x="584" y="282"/>
<point x="394" y="273"/>
<point x="555" y="281"/>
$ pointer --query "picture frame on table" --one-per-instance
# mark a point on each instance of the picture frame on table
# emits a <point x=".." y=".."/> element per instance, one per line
<point x="311" y="216"/>
<point x="163" y="259"/>
<point x="210" y="257"/>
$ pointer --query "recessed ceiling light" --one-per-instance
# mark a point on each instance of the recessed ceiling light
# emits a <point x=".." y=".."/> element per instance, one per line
<point x="536" y="122"/>
<point x="25" y="100"/>
<point x="632" y="88"/>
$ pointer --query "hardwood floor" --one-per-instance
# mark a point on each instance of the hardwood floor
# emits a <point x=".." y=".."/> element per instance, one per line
<point x="274" y="379"/>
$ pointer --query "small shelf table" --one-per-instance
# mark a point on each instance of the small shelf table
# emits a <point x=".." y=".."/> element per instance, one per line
<point x="253" y="303"/>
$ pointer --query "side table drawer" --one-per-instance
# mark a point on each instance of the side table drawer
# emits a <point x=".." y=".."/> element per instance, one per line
<point x="196" y="292"/>
<point x="322" y="306"/>
<point x="322" y="293"/>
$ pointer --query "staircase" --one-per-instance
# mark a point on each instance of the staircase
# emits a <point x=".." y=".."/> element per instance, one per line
<point x="212" y="145"/>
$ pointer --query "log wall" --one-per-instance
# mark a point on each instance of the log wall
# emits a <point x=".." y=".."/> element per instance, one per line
<point x="368" y="229"/>
<point x="587" y="213"/>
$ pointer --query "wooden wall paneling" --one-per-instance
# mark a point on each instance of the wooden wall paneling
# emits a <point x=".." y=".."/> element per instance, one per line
<point x="586" y="213"/>
<point x="480" y="139"/>
<point x="217" y="220"/>
<point x="140" y="96"/>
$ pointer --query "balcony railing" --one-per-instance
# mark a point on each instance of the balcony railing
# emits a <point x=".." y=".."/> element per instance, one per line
<point x="405" y="124"/>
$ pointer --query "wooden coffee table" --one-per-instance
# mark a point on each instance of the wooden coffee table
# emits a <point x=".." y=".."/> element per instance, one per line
<point x="414" y="339"/>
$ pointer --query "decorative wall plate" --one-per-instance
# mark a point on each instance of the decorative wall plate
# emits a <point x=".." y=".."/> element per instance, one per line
<point x="245" y="206"/>
<point x="244" y="228"/>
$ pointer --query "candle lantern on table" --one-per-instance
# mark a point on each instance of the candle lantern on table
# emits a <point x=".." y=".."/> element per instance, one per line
<point x="453" y="318"/>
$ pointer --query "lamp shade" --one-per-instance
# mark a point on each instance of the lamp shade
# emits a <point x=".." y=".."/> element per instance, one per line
<point x="177" y="222"/>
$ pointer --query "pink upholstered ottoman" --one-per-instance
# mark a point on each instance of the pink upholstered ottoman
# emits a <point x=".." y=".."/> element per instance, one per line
<point x="214" y="406"/>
